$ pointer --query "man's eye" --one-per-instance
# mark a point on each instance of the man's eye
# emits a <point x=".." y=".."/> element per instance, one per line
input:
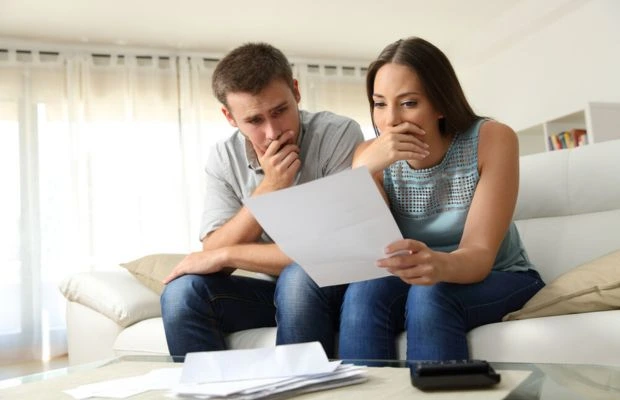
<point x="279" y="111"/>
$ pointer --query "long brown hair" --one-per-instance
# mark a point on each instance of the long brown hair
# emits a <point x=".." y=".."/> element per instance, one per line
<point x="437" y="76"/>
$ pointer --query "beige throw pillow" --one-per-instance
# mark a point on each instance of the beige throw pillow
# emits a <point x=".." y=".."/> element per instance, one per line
<point x="593" y="286"/>
<point x="151" y="269"/>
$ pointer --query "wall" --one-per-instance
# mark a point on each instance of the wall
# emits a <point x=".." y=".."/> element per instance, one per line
<point x="546" y="67"/>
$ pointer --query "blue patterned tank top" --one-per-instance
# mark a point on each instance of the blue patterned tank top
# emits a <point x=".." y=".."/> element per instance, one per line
<point x="431" y="205"/>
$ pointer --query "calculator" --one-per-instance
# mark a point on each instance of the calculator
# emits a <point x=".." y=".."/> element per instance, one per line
<point x="453" y="374"/>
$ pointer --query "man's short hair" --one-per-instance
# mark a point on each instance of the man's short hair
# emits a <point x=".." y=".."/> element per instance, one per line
<point x="249" y="69"/>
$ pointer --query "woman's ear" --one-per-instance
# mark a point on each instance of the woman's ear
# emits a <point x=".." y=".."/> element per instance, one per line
<point x="441" y="124"/>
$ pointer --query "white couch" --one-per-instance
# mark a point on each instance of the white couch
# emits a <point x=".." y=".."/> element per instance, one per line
<point x="568" y="213"/>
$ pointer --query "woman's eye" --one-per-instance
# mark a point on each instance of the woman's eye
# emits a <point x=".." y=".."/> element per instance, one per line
<point x="410" y="103"/>
<point x="377" y="104"/>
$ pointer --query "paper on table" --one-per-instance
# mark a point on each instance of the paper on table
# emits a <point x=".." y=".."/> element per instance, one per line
<point x="335" y="227"/>
<point x="121" y="388"/>
<point x="260" y="388"/>
<point x="262" y="363"/>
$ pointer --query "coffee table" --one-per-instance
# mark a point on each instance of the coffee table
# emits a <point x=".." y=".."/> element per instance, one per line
<point x="391" y="381"/>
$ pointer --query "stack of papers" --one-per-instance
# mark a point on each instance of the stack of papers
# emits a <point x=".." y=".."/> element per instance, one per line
<point x="264" y="373"/>
<point x="237" y="374"/>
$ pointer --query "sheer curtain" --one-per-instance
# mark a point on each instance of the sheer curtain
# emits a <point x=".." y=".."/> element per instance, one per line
<point x="338" y="88"/>
<point x="101" y="162"/>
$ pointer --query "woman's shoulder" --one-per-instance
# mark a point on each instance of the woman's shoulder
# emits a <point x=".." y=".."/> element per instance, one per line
<point x="492" y="126"/>
<point x="496" y="139"/>
<point x="496" y="132"/>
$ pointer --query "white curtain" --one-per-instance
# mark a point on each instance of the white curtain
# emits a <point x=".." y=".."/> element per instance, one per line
<point x="338" y="88"/>
<point x="101" y="162"/>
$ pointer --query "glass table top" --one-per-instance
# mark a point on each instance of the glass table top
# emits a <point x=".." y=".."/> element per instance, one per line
<point x="545" y="381"/>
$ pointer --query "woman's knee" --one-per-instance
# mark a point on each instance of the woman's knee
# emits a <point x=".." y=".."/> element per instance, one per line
<point x="373" y="301"/>
<point x="424" y="302"/>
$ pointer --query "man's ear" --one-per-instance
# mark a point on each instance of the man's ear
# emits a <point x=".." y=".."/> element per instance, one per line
<point x="229" y="117"/>
<point x="296" y="91"/>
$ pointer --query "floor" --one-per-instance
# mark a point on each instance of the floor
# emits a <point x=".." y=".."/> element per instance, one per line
<point x="31" y="367"/>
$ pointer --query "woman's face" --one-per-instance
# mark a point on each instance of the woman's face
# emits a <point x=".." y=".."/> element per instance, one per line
<point x="399" y="97"/>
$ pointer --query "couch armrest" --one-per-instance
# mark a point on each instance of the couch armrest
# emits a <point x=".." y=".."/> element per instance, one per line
<point x="115" y="294"/>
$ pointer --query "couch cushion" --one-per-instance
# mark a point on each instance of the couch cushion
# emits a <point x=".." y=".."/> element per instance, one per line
<point x="586" y="338"/>
<point x="152" y="269"/>
<point x="146" y="337"/>
<point x="593" y="286"/>
<point x="115" y="294"/>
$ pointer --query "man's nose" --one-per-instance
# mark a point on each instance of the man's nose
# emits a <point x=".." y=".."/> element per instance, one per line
<point x="273" y="132"/>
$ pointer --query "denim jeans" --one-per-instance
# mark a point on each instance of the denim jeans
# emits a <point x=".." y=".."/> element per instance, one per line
<point x="305" y="312"/>
<point x="199" y="310"/>
<point x="370" y="314"/>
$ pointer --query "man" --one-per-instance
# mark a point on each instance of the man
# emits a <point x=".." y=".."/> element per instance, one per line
<point x="276" y="146"/>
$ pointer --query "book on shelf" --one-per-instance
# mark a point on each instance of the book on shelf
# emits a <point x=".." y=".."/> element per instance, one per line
<point x="568" y="139"/>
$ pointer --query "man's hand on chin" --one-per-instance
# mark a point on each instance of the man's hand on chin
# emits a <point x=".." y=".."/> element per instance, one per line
<point x="280" y="163"/>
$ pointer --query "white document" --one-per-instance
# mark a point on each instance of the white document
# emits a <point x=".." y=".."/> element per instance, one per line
<point x="335" y="228"/>
<point x="261" y="363"/>
<point x="121" y="388"/>
<point x="251" y="389"/>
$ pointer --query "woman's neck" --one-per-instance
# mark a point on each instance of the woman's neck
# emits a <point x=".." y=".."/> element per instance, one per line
<point x="438" y="147"/>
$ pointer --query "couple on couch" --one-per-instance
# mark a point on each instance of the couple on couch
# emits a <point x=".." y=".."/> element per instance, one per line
<point x="449" y="176"/>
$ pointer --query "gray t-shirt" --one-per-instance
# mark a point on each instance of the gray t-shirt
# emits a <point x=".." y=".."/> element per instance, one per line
<point x="326" y="142"/>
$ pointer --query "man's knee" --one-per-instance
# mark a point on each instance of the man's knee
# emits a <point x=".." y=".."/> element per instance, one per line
<point x="183" y="294"/>
<point x="293" y="282"/>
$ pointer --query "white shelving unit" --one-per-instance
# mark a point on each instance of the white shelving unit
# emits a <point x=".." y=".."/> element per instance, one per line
<point x="600" y="120"/>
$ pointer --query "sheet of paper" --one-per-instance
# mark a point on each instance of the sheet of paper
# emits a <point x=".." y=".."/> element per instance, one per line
<point x="335" y="228"/>
<point x="261" y="363"/>
<point x="159" y="379"/>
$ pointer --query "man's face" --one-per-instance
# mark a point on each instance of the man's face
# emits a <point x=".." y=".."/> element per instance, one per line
<point x="264" y="117"/>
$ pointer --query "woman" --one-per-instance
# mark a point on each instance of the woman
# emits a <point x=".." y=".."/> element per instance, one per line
<point x="451" y="179"/>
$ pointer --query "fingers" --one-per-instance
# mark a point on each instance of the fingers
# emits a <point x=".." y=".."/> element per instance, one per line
<point x="172" y="276"/>
<point x="276" y="145"/>
<point x="403" y="146"/>
<point x="280" y="162"/>
<point x="284" y="156"/>
<point x="405" y="245"/>
<point x="409" y="128"/>
<point x="186" y="266"/>
<point x="410" y="260"/>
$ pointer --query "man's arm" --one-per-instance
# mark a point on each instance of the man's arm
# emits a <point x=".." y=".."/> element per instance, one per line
<point x="266" y="258"/>
<point x="242" y="228"/>
<point x="280" y="164"/>
<point x="255" y="257"/>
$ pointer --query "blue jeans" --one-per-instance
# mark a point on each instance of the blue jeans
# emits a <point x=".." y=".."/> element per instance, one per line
<point x="372" y="313"/>
<point x="305" y="312"/>
<point x="199" y="310"/>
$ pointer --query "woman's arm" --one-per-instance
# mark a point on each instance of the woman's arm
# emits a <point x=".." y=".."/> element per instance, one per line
<point x="360" y="160"/>
<point x="492" y="207"/>
<point x="487" y="221"/>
